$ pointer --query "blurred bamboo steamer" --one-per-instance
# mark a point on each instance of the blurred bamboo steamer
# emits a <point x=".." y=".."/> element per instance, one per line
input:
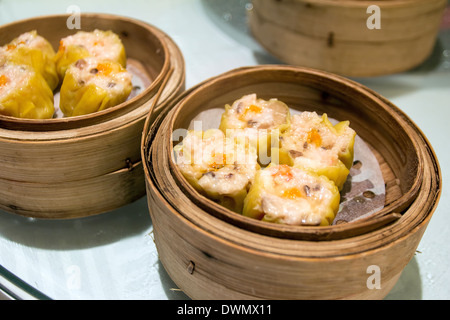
<point x="350" y="37"/>
<point x="80" y="166"/>
<point x="213" y="253"/>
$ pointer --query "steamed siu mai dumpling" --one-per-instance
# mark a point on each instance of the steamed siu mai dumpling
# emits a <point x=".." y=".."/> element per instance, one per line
<point x="292" y="196"/>
<point x="35" y="51"/>
<point x="256" y="120"/>
<point x="313" y="143"/>
<point x="104" y="45"/>
<point x="91" y="85"/>
<point x="220" y="168"/>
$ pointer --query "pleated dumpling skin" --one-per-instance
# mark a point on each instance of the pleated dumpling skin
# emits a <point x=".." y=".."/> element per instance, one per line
<point x="24" y="93"/>
<point x="35" y="51"/>
<point x="221" y="169"/>
<point x="314" y="144"/>
<point x="291" y="196"/>
<point x="258" y="121"/>
<point x="104" y="45"/>
<point x="91" y="85"/>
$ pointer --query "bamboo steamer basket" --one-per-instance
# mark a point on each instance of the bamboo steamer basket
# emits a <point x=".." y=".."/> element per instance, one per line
<point x="334" y="35"/>
<point x="75" y="167"/>
<point x="213" y="253"/>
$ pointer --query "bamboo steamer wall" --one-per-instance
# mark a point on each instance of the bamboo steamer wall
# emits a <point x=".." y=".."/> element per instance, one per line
<point x="74" y="167"/>
<point x="212" y="253"/>
<point x="334" y="36"/>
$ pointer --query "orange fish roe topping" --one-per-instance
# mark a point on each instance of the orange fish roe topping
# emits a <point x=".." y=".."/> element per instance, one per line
<point x="292" y="193"/>
<point x="3" y="80"/>
<point x="251" y="109"/>
<point x="314" y="138"/>
<point x="62" y="47"/>
<point x="283" y="172"/>
<point x="104" y="69"/>
<point x="10" y="47"/>
<point x="220" y="160"/>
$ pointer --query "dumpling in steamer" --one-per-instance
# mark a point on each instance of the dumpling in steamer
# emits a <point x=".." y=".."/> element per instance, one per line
<point x="92" y="85"/>
<point x="35" y="51"/>
<point x="286" y="195"/>
<point x="314" y="144"/>
<point x="258" y="121"/>
<point x="24" y="93"/>
<point x="220" y="168"/>
<point x="105" y="45"/>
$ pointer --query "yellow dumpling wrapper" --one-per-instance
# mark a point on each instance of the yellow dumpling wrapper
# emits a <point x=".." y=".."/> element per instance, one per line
<point x="256" y="121"/>
<point x="35" y="51"/>
<point x="291" y="196"/>
<point x="347" y="152"/>
<point x="65" y="58"/>
<point x="313" y="143"/>
<point x="91" y="85"/>
<point x="24" y="93"/>
<point x="219" y="168"/>
<point x="104" y="45"/>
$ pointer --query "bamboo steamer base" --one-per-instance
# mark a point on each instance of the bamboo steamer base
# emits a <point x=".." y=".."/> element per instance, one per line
<point x="66" y="168"/>
<point x="214" y="256"/>
<point x="213" y="260"/>
<point x="333" y="35"/>
<point x="207" y="272"/>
